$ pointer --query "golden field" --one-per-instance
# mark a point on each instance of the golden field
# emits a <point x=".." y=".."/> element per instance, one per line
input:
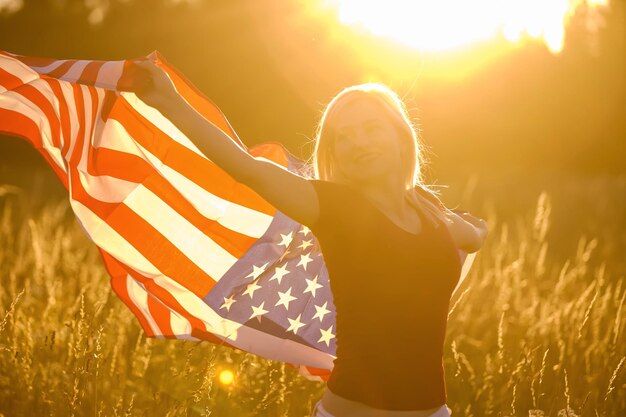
<point x="537" y="328"/>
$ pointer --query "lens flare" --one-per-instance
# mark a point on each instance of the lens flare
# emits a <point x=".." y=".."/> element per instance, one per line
<point x="226" y="377"/>
<point x="449" y="24"/>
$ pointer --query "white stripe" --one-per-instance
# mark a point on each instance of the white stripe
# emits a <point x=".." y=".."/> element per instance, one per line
<point x="68" y="95"/>
<point x="162" y="123"/>
<point x="192" y="242"/>
<point x="115" y="137"/>
<point x="99" y="124"/>
<point x="109" y="75"/>
<point x="284" y="350"/>
<point x="195" y="306"/>
<point x="180" y="326"/>
<point x="16" y="102"/>
<point x="49" y="68"/>
<point x="233" y="216"/>
<point x="106" y="188"/>
<point x="18" y="69"/>
<point x="87" y="122"/>
<point x="139" y="296"/>
<point x="107" y="238"/>
<point x="75" y="71"/>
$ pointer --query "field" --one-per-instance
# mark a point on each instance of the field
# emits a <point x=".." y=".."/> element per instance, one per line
<point x="537" y="329"/>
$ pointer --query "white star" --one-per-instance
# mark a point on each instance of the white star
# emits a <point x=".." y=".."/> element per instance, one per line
<point x="285" y="298"/>
<point x="294" y="325"/>
<point x="305" y="244"/>
<point x="279" y="273"/>
<point x="321" y="311"/>
<point x="256" y="271"/>
<point x="251" y="288"/>
<point x="304" y="260"/>
<point x="258" y="311"/>
<point x="326" y="335"/>
<point x="286" y="239"/>
<point x="312" y="285"/>
<point x="228" y="302"/>
<point x="305" y="230"/>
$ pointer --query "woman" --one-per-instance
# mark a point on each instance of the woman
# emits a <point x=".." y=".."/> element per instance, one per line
<point x="374" y="220"/>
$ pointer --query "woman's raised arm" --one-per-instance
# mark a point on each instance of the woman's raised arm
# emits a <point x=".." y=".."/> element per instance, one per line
<point x="288" y="192"/>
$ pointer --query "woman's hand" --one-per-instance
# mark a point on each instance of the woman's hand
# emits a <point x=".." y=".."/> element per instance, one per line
<point x="480" y="224"/>
<point x="158" y="89"/>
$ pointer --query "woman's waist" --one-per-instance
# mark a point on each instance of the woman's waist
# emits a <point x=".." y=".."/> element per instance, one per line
<point x="340" y="406"/>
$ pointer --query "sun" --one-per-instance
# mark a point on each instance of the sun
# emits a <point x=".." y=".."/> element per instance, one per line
<point x="439" y="25"/>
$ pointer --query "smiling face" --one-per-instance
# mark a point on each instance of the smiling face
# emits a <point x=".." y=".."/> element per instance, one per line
<point x="364" y="136"/>
<point x="366" y="145"/>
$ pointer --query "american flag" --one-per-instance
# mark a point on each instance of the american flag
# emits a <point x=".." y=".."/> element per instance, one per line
<point x="193" y="253"/>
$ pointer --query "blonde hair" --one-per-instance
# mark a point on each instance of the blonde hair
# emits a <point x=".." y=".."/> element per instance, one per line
<point x="413" y="159"/>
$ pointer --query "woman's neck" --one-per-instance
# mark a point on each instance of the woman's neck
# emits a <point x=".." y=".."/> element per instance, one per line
<point x="388" y="194"/>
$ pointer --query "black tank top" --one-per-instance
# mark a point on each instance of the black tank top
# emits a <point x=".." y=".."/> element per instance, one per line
<point x="391" y="290"/>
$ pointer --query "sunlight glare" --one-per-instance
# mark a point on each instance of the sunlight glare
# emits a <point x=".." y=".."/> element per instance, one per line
<point x="226" y="377"/>
<point x="448" y="24"/>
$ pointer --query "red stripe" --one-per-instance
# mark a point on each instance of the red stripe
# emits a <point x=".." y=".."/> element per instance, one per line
<point x="235" y="243"/>
<point x="118" y="282"/>
<point x="94" y="111"/>
<point x="8" y="80"/>
<point x="61" y="70"/>
<point x="35" y="61"/>
<point x="118" y="164"/>
<point x="63" y="115"/>
<point x="118" y="272"/>
<point x="197" y="325"/>
<point x="200" y="102"/>
<point x="107" y="104"/>
<point x="90" y="72"/>
<point x="17" y="124"/>
<point x="168" y="299"/>
<point x="160" y="315"/>
<point x="45" y="108"/>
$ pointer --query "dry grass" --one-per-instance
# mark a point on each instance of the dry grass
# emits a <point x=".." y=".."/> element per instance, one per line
<point x="529" y="334"/>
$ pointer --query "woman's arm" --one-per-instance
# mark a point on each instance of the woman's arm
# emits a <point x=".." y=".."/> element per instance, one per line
<point x="467" y="231"/>
<point x="288" y="192"/>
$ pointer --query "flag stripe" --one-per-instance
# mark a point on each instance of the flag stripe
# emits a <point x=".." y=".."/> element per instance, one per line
<point x="28" y="109"/>
<point x="23" y="126"/>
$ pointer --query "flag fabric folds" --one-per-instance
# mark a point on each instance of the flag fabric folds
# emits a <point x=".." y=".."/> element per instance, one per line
<point x="193" y="253"/>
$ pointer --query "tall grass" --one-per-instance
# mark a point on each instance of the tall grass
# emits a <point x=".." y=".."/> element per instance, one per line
<point x="529" y="334"/>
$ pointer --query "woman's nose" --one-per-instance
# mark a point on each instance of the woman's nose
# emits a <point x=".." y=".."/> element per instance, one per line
<point x="360" y="139"/>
